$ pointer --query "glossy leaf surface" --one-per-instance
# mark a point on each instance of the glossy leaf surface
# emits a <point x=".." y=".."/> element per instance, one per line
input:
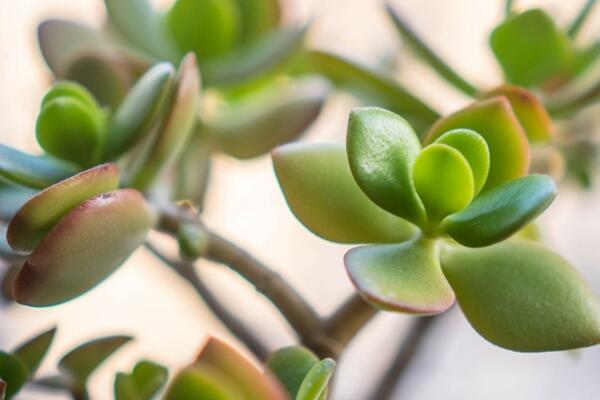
<point x="291" y="365"/>
<point x="502" y="211"/>
<point x="71" y="90"/>
<point x="382" y="148"/>
<point x="84" y="247"/>
<point x="13" y="372"/>
<point x="402" y="277"/>
<point x="144" y="381"/>
<point x="523" y="297"/>
<point x="315" y="383"/>
<point x="38" y="215"/>
<point x="33" y="351"/>
<point x="322" y="193"/>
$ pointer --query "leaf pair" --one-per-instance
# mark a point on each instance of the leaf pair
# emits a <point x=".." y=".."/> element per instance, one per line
<point x="144" y="381"/>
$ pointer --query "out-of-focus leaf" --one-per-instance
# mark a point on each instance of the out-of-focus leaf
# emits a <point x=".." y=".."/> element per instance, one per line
<point x="502" y="211"/>
<point x="13" y="372"/>
<point x="82" y="361"/>
<point x="523" y="297"/>
<point x="208" y="28"/>
<point x="443" y="180"/>
<point x="256" y="59"/>
<point x="545" y="58"/>
<point x="33" y="351"/>
<point x="84" y="248"/>
<point x="2" y="389"/>
<point x="139" y="110"/>
<point x="315" y="382"/>
<point x="382" y="148"/>
<point x="12" y="198"/>
<point x="529" y="110"/>
<point x="291" y="365"/>
<point x="495" y="120"/>
<point x="176" y="127"/>
<point x="38" y="215"/>
<point x="402" y="277"/>
<point x="258" y="17"/>
<point x="474" y="149"/>
<point x="374" y="87"/>
<point x="204" y="382"/>
<point x="35" y="172"/>
<point x="322" y="193"/>
<point x="139" y="24"/>
<point x="257" y="125"/>
<point x="71" y="90"/>
<point x="193" y="169"/>
<point x="146" y="379"/>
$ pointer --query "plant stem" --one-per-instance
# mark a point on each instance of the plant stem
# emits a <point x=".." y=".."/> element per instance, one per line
<point x="429" y="56"/>
<point x="409" y="347"/>
<point x="508" y="8"/>
<point x="578" y="22"/>
<point x="233" y="324"/>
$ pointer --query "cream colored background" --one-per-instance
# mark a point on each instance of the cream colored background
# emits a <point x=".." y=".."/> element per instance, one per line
<point x="144" y="299"/>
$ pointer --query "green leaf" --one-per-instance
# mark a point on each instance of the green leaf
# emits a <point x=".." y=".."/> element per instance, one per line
<point x="193" y="240"/>
<point x="257" y="17"/>
<point x="203" y="382"/>
<point x="382" y="148"/>
<point x="82" y="361"/>
<point x="523" y="297"/>
<point x="495" y="120"/>
<point x="529" y="110"/>
<point x="315" y="383"/>
<point x="35" y="172"/>
<point x="38" y="215"/>
<point x="474" y="149"/>
<point x="71" y="90"/>
<point x="255" y="126"/>
<point x="501" y="212"/>
<point x="206" y="27"/>
<point x="373" y="87"/>
<point x="176" y="127"/>
<point x="322" y="193"/>
<point x="13" y="372"/>
<point x="291" y="365"/>
<point x="33" y="351"/>
<point x="546" y="56"/>
<point x="146" y="379"/>
<point x="402" y="277"/>
<point x="139" y="110"/>
<point x="193" y="168"/>
<point x="444" y="181"/>
<point x="84" y="248"/>
<point x="260" y="58"/>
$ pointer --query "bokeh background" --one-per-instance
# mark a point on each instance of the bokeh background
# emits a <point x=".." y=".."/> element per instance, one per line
<point x="148" y="301"/>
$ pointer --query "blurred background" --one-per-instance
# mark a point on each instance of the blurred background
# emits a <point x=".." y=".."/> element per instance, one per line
<point x="148" y="301"/>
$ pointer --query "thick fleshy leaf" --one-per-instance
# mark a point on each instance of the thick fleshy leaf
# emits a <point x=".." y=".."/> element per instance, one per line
<point x="444" y="181"/>
<point x="139" y="110"/>
<point x="193" y="168"/>
<point x="258" y="17"/>
<point x="375" y="87"/>
<point x="33" y="351"/>
<point x="71" y="90"/>
<point x="262" y="57"/>
<point x="35" y="219"/>
<point x="255" y="126"/>
<point x="502" y="211"/>
<point x="382" y="148"/>
<point x="322" y="193"/>
<point x="206" y="27"/>
<point x="141" y="26"/>
<point x="82" y="361"/>
<point x="315" y="383"/>
<point x="35" y="172"/>
<point x="495" y="120"/>
<point x="193" y="240"/>
<point x="402" y="277"/>
<point x="544" y="58"/>
<point x="523" y="297"/>
<point x="176" y="127"/>
<point x="13" y="372"/>
<point x="474" y="149"/>
<point x="84" y="248"/>
<point x="252" y="383"/>
<point x="146" y="379"/>
<point x="204" y="382"/>
<point x="291" y="365"/>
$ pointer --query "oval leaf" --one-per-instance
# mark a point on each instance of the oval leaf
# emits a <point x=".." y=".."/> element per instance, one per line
<point x="315" y="382"/>
<point x="146" y="379"/>
<point x="38" y="215"/>
<point x="495" y="120"/>
<point x="382" y="148"/>
<point x="322" y="193"/>
<point x="523" y="297"/>
<point x="402" y="277"/>
<point x="33" y="351"/>
<point x="291" y="365"/>
<point x="444" y="181"/>
<point x="84" y="248"/>
<point x="71" y="90"/>
<point x="203" y="382"/>
<point x="501" y="212"/>
<point x="13" y="372"/>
